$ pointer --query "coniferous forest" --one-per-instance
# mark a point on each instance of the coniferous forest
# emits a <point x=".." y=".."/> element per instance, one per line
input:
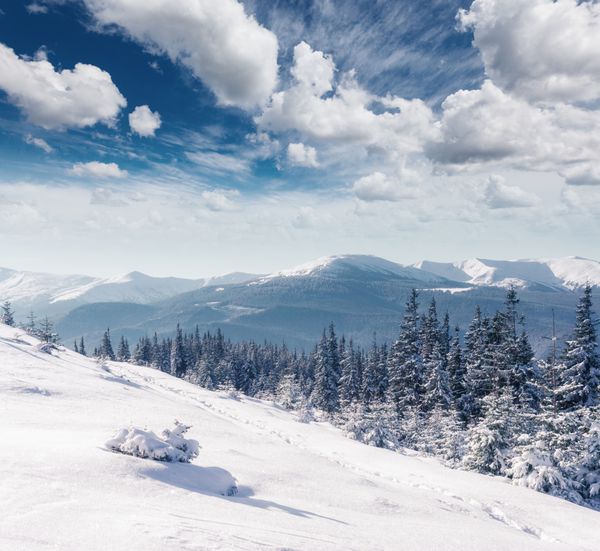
<point x="478" y="401"/>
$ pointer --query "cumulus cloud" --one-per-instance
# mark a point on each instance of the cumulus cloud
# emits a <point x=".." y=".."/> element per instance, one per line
<point x="222" y="45"/>
<point x="499" y="195"/>
<point x="39" y="142"/>
<point x="98" y="170"/>
<point x="542" y="50"/>
<point x="73" y="98"/>
<point x="584" y="174"/>
<point x="302" y="155"/>
<point x="143" y="121"/>
<point x="321" y="109"/>
<point x="382" y="187"/>
<point x="485" y="126"/>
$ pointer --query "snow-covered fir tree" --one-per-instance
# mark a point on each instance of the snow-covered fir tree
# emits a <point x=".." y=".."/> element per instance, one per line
<point x="579" y="369"/>
<point x="123" y="354"/>
<point x="7" y="314"/>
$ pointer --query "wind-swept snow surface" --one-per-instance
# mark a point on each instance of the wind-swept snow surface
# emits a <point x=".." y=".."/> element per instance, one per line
<point x="299" y="486"/>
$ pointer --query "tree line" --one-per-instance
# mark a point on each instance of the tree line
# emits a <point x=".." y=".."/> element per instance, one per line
<point x="481" y="402"/>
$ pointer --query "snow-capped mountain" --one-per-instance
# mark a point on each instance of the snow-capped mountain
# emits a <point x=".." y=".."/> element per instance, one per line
<point x="569" y="273"/>
<point x="58" y="293"/>
<point x="300" y="485"/>
<point x="355" y="264"/>
<point x="361" y="294"/>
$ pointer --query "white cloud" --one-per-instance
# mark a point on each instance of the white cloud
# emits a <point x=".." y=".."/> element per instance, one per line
<point x="302" y="155"/>
<point x="542" y="50"/>
<point x="313" y="70"/>
<point x="583" y="174"/>
<point x="486" y="126"/>
<point x="98" y="170"/>
<point x="219" y="200"/>
<point x="499" y="195"/>
<point x="341" y="113"/>
<point x="143" y="121"/>
<point x="382" y="187"/>
<point x="223" y="46"/>
<point x="35" y="8"/>
<point x="39" y="142"/>
<point x="74" y="98"/>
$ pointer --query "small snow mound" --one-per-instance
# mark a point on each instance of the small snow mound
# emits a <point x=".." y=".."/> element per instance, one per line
<point x="171" y="446"/>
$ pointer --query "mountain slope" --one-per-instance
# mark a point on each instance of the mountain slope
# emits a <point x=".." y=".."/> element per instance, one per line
<point x="301" y="486"/>
<point x="55" y="294"/>
<point x="559" y="273"/>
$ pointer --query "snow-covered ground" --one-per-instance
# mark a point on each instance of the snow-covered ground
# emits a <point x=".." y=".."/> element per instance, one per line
<point x="300" y="486"/>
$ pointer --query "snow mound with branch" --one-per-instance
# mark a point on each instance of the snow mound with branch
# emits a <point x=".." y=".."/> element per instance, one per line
<point x="171" y="446"/>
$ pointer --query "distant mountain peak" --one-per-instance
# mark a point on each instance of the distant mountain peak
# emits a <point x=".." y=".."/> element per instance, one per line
<point x="571" y="272"/>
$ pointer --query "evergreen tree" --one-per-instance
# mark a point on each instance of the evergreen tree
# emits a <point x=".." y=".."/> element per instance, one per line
<point x="31" y="326"/>
<point x="82" y="347"/>
<point x="178" y="360"/>
<point x="46" y="331"/>
<point x="437" y="386"/>
<point x="350" y="383"/>
<point x="579" y="371"/>
<point x="488" y="441"/>
<point x="405" y="385"/>
<point x="370" y="386"/>
<point x="205" y="375"/>
<point x="7" y="316"/>
<point x="327" y="373"/>
<point x="478" y="378"/>
<point x="123" y="354"/>
<point x="105" y="350"/>
<point x="75" y="347"/>
<point x="457" y="375"/>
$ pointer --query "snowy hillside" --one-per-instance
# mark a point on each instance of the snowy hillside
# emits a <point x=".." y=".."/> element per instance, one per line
<point x="561" y="273"/>
<point x="300" y="486"/>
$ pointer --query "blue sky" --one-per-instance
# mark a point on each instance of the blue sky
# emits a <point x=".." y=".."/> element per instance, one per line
<point x="196" y="138"/>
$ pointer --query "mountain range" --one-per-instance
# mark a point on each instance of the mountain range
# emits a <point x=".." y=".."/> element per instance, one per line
<point x="361" y="294"/>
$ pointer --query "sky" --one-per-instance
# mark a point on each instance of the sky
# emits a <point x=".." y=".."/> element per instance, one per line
<point x="196" y="137"/>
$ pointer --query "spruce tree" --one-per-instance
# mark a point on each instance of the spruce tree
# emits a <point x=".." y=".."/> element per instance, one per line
<point x="457" y="375"/>
<point x="7" y="316"/>
<point x="178" y="360"/>
<point x="579" y="370"/>
<point x="327" y="373"/>
<point x="105" y="349"/>
<point x="350" y="379"/>
<point x="46" y="331"/>
<point x="370" y="388"/>
<point x="82" y="347"/>
<point x="123" y="354"/>
<point x="405" y="385"/>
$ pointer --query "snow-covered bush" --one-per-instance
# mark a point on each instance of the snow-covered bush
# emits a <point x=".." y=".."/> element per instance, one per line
<point x="535" y="467"/>
<point x="306" y="412"/>
<point x="171" y="446"/>
<point x="373" y="427"/>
